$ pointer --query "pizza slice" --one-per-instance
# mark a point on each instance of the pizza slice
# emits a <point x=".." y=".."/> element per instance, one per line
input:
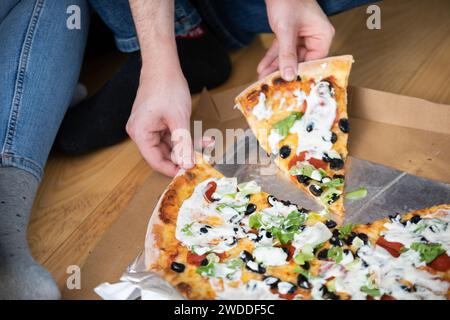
<point x="304" y="123"/>
<point x="211" y="237"/>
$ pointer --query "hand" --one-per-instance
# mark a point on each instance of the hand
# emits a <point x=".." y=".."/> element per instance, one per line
<point x="303" y="32"/>
<point x="159" y="121"/>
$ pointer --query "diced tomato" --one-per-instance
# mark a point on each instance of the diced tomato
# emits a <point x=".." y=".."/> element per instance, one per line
<point x="318" y="163"/>
<point x="210" y="189"/>
<point x="387" y="297"/>
<point x="394" y="248"/>
<point x="195" y="259"/>
<point x="297" y="158"/>
<point x="288" y="296"/>
<point x="441" y="263"/>
<point x="291" y="250"/>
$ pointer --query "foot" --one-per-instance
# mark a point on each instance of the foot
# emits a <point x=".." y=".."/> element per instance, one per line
<point x="23" y="279"/>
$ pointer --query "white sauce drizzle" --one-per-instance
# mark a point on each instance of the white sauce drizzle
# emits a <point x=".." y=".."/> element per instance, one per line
<point x="261" y="111"/>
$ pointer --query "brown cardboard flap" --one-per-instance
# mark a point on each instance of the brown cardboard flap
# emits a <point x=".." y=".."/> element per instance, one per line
<point x="398" y="110"/>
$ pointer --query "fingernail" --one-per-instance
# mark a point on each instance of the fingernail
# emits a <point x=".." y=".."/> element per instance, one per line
<point x="288" y="74"/>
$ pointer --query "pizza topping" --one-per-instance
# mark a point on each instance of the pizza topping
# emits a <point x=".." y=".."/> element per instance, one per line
<point x="285" y="287"/>
<point x="177" y="267"/>
<point x="336" y="164"/>
<point x="441" y="263"/>
<point x="428" y="252"/>
<point x="314" y="128"/>
<point x="312" y="236"/>
<point x="270" y="256"/>
<point x="260" y="110"/>
<point x="315" y="189"/>
<point x="285" y="151"/>
<point x="255" y="267"/>
<point x="330" y="196"/>
<point x="252" y="290"/>
<point x="251" y="207"/>
<point x="272" y="282"/>
<point x="210" y="189"/>
<point x="344" y="125"/>
<point x="274" y="140"/>
<point x="331" y="224"/>
<point x="357" y="194"/>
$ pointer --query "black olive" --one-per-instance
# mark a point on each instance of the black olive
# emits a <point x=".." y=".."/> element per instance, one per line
<point x="271" y="200"/>
<point x="326" y="158"/>
<point x="336" y="241"/>
<point x="272" y="282"/>
<point x="335" y="233"/>
<point x="248" y="196"/>
<point x="336" y="164"/>
<point x="292" y="289"/>
<point x="303" y="282"/>
<point x="328" y="294"/>
<point x="261" y="269"/>
<point x="333" y="137"/>
<point x="235" y="229"/>
<point x="177" y="267"/>
<point x="363" y="237"/>
<point x="232" y="243"/>
<point x="316" y="190"/>
<point x="349" y="239"/>
<point x="303" y="179"/>
<point x="339" y="176"/>
<point x="285" y="151"/>
<point x="395" y="217"/>
<point x="344" y="125"/>
<point x="306" y="265"/>
<point x="303" y="210"/>
<point x="364" y="264"/>
<point x="286" y="250"/>
<point x="204" y="262"/>
<point x="334" y="198"/>
<point x="323" y="254"/>
<point x="251" y="207"/>
<point x="204" y="230"/>
<point x="331" y="224"/>
<point x="310" y="127"/>
<point x="346" y="251"/>
<point x="286" y="202"/>
<point x="415" y="219"/>
<point x="246" y="256"/>
<point x="268" y="234"/>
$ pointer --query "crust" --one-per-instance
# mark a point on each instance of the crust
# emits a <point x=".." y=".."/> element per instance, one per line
<point x="337" y="66"/>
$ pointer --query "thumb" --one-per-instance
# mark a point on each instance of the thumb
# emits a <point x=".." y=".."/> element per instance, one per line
<point x="288" y="53"/>
<point x="182" y="151"/>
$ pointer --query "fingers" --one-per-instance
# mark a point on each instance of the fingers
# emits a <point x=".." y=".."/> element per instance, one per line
<point x="287" y="57"/>
<point x="182" y="151"/>
<point x="158" y="155"/>
<point x="269" y="57"/>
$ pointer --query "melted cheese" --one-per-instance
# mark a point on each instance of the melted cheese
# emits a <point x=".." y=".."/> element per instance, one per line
<point x="270" y="256"/>
<point x="261" y="111"/>
<point x="312" y="235"/>
<point x="314" y="128"/>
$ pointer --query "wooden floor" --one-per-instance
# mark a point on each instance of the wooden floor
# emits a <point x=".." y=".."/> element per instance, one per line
<point x="81" y="197"/>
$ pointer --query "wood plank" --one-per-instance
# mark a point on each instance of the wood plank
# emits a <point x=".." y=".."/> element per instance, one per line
<point x="78" y="245"/>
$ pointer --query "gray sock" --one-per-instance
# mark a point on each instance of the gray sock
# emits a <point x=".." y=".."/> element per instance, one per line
<point x="20" y="276"/>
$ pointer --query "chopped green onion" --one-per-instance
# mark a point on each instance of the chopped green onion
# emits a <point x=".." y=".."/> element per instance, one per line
<point x="285" y="124"/>
<point x="428" y="251"/>
<point x="371" y="291"/>
<point x="355" y="195"/>
<point x="335" y="253"/>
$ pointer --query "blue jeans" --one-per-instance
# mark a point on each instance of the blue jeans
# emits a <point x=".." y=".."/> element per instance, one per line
<point x="235" y="22"/>
<point x="40" y="61"/>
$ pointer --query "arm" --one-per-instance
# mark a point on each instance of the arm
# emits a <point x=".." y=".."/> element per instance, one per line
<point x="303" y="32"/>
<point x="159" y="121"/>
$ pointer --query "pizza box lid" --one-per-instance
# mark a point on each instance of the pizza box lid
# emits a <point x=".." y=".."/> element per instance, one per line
<point x="404" y="133"/>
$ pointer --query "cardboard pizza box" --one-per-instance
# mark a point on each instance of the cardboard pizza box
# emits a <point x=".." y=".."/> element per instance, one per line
<point x="408" y="134"/>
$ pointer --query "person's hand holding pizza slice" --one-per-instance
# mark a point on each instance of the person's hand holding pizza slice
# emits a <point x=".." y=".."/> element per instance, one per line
<point x="303" y="32"/>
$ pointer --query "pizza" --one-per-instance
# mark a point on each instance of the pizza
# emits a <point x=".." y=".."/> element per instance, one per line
<point x="214" y="238"/>
<point x="304" y="124"/>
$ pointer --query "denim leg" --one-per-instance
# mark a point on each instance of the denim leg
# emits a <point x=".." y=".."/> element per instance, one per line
<point x="236" y="22"/>
<point x="40" y="61"/>
<point x="117" y="16"/>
